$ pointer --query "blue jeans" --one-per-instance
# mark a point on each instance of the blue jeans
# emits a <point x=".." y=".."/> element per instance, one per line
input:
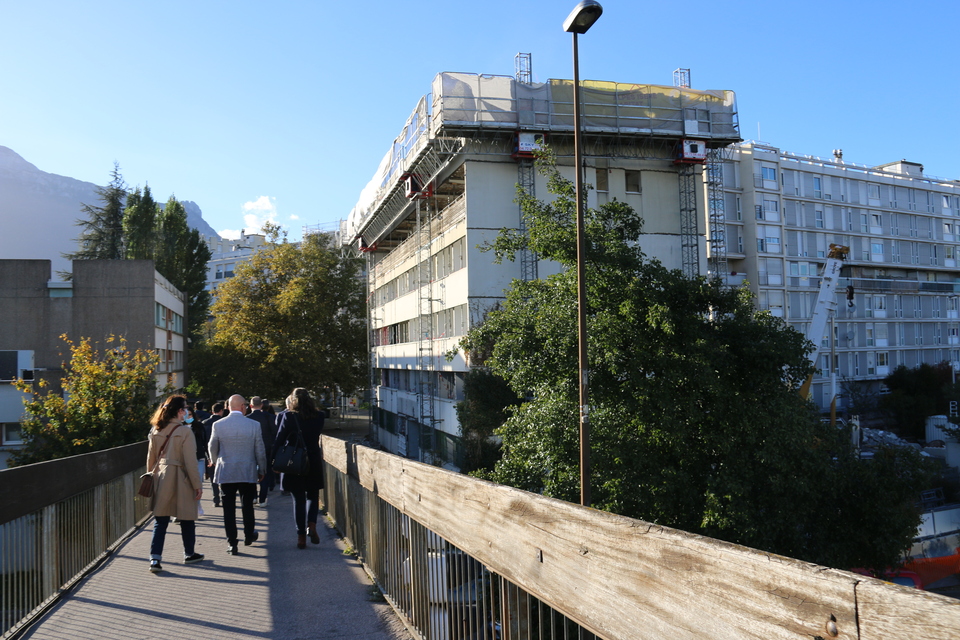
<point x="305" y="509"/>
<point x="188" y="531"/>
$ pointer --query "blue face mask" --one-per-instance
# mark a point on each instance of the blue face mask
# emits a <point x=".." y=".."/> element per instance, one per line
<point x="188" y="420"/>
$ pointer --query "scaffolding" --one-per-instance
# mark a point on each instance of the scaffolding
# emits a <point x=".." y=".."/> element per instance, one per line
<point x="689" y="238"/>
<point x="426" y="388"/>
<point x="526" y="176"/>
<point x="716" y="215"/>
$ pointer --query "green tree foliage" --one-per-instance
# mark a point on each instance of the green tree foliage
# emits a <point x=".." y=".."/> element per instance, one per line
<point x="916" y="394"/>
<point x="106" y="399"/>
<point x="101" y="237"/>
<point x="293" y="315"/>
<point x="696" y="422"/>
<point x="181" y="255"/>
<point x="480" y="414"/>
<point x="140" y="224"/>
<point x="139" y="231"/>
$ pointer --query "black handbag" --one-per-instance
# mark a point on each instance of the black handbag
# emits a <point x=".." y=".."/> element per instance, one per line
<point x="292" y="457"/>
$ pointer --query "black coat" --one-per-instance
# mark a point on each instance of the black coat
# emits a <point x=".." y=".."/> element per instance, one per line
<point x="288" y="422"/>
<point x="268" y="427"/>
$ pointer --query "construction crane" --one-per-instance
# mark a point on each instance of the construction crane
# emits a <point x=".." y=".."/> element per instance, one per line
<point x="826" y="305"/>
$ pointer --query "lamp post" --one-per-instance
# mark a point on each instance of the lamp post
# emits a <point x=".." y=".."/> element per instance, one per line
<point x="579" y="21"/>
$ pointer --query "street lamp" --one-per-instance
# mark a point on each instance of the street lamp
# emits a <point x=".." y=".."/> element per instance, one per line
<point x="579" y="21"/>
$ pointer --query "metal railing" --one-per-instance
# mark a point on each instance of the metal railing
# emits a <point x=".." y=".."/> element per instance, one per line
<point x="59" y="520"/>
<point x="440" y="591"/>
<point x="463" y="559"/>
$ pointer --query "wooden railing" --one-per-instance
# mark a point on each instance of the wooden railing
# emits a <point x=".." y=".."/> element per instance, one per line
<point x="448" y="551"/>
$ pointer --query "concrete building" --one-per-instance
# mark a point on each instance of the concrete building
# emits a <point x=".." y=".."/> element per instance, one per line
<point x="782" y="212"/>
<point x="227" y="254"/>
<point x="126" y="298"/>
<point x="448" y="184"/>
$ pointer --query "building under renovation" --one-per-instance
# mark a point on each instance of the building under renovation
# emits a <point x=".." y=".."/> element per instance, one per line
<point x="448" y="184"/>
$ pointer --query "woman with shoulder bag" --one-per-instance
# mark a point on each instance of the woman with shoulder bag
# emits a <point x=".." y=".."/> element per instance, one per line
<point x="172" y="457"/>
<point x="302" y="420"/>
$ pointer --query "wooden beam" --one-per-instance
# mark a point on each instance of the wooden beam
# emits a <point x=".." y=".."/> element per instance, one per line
<point x="626" y="578"/>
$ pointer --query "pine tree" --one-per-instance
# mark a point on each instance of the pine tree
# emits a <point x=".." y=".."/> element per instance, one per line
<point x="102" y="235"/>
<point x="139" y="224"/>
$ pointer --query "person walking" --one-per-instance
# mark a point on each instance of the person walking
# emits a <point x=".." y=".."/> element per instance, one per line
<point x="219" y="410"/>
<point x="268" y="430"/>
<point x="236" y="446"/>
<point x="172" y="450"/>
<point x="302" y="417"/>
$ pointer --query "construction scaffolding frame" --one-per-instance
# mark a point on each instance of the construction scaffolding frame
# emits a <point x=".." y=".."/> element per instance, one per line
<point x="716" y="215"/>
<point x="689" y="239"/>
<point x="427" y="376"/>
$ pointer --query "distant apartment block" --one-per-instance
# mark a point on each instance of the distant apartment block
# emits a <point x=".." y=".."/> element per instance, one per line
<point x="227" y="254"/>
<point x="899" y="294"/>
<point x="126" y="298"/>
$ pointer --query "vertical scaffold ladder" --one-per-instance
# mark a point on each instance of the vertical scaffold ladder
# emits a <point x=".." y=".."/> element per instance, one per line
<point x="716" y="216"/>
<point x="689" y="243"/>
<point x="525" y="177"/>
<point x="426" y="388"/>
<point x="526" y="174"/>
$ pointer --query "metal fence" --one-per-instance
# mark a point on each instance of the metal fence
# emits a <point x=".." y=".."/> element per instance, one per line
<point x="441" y="592"/>
<point x="50" y="545"/>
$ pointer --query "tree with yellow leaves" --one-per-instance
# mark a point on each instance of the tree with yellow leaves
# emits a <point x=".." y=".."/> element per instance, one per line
<point x="106" y="401"/>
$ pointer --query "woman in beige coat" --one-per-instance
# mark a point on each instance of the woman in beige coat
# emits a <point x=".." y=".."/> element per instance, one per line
<point x="176" y="481"/>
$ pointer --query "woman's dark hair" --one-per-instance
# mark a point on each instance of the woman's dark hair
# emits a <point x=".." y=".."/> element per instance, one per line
<point x="168" y="411"/>
<point x="301" y="402"/>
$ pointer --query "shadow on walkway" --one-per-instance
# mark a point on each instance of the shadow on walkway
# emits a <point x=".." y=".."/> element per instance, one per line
<point x="270" y="589"/>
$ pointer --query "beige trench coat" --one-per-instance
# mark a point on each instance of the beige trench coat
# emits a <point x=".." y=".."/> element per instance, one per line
<point x="176" y="480"/>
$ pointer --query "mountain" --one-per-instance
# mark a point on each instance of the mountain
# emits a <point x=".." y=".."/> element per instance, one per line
<point x="39" y="211"/>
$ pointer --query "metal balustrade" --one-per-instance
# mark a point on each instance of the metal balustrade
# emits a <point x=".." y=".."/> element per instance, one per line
<point x="60" y="519"/>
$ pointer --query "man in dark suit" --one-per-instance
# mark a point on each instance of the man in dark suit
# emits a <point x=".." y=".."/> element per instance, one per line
<point x="219" y="410"/>
<point x="269" y="431"/>
<point x="236" y="445"/>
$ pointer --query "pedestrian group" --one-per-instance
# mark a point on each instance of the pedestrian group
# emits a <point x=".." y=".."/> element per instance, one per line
<point x="231" y="447"/>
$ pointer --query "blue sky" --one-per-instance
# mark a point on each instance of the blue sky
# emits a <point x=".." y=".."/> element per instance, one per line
<point x="283" y="109"/>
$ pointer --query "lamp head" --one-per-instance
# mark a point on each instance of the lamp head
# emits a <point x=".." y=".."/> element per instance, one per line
<point x="582" y="17"/>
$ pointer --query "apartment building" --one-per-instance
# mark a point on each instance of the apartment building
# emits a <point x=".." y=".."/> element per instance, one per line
<point x="226" y="254"/>
<point x="448" y="185"/>
<point x="900" y="284"/>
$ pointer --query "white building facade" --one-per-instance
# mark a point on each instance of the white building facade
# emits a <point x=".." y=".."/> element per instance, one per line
<point x="898" y="292"/>
<point x="449" y="185"/>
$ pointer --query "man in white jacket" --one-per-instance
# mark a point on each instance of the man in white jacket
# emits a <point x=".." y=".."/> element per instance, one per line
<point x="236" y="448"/>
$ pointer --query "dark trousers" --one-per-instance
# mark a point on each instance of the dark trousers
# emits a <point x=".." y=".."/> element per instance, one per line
<point x="188" y="531"/>
<point x="306" y="507"/>
<point x="228" y="500"/>
<point x="266" y="486"/>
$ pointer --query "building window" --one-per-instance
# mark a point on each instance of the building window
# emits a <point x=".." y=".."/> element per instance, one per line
<point x="633" y="181"/>
<point x="219" y="272"/>
<point x="768" y="173"/>
<point x="11" y="433"/>
<point x="876" y="251"/>
<point x="818" y="215"/>
<point x="602" y="182"/>
<point x="817" y="187"/>
<point x="873" y="191"/>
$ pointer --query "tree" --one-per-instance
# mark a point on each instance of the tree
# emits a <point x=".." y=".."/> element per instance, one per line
<point x="293" y="315"/>
<point x="106" y="402"/>
<point x="696" y="422"/>
<point x="181" y="255"/>
<point x="482" y="411"/>
<point x="102" y="235"/>
<point x="915" y="394"/>
<point x="139" y="225"/>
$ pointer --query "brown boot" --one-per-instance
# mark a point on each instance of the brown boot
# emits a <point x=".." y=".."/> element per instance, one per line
<point x="301" y="541"/>
<point x="314" y="538"/>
